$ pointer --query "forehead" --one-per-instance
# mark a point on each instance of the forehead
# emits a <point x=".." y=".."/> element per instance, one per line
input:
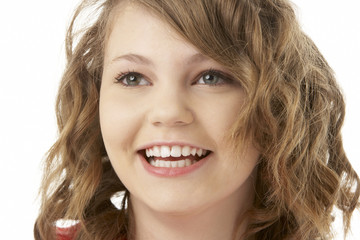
<point x="134" y="29"/>
<point x="132" y="21"/>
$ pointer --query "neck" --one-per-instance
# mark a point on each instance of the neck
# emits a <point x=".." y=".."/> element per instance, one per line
<point x="222" y="220"/>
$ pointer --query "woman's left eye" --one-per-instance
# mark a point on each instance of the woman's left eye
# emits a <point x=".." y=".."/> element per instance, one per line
<point x="213" y="78"/>
<point x="132" y="79"/>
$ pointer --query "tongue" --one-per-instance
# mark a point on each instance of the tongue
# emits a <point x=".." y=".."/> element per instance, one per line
<point x="191" y="157"/>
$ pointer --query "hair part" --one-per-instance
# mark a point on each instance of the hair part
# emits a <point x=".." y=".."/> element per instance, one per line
<point x="293" y="113"/>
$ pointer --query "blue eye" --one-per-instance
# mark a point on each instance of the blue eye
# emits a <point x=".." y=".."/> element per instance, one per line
<point x="210" y="79"/>
<point x="131" y="79"/>
<point x="213" y="78"/>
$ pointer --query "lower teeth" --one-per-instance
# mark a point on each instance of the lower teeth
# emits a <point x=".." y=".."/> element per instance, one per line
<point x="172" y="164"/>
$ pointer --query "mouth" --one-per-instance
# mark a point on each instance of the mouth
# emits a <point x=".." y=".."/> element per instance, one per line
<point x="173" y="156"/>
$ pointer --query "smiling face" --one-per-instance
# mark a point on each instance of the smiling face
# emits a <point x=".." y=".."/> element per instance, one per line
<point x="164" y="110"/>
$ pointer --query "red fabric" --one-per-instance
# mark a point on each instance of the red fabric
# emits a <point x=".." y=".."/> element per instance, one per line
<point x="66" y="233"/>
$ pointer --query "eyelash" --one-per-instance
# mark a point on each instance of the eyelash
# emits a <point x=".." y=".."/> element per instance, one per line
<point x="226" y="79"/>
<point x="223" y="76"/>
<point x="121" y="76"/>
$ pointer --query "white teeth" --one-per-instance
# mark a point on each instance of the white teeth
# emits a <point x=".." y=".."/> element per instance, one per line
<point x="172" y="164"/>
<point x="156" y="151"/>
<point x="199" y="152"/>
<point x="181" y="163"/>
<point x="193" y="151"/>
<point x="165" y="151"/>
<point x="167" y="163"/>
<point x="185" y="151"/>
<point x="175" y="151"/>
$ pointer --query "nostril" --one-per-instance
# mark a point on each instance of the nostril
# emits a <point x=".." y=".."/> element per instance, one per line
<point x="170" y="115"/>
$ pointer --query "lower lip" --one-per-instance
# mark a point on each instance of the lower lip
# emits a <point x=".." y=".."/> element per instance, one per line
<point x="172" y="172"/>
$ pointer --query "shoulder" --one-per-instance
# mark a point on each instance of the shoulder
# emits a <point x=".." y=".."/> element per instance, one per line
<point x="66" y="233"/>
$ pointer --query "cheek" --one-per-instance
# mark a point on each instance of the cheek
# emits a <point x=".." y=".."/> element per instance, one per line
<point x="118" y="124"/>
<point x="234" y="168"/>
<point x="219" y="116"/>
<point x="237" y="171"/>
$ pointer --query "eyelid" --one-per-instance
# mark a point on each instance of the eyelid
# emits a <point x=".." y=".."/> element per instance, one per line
<point x="227" y="78"/>
<point x="122" y="75"/>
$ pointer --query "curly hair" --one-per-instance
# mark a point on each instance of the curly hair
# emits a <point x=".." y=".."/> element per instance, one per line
<point x="293" y="115"/>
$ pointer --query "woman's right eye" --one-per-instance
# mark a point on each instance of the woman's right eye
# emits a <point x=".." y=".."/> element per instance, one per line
<point x="131" y="79"/>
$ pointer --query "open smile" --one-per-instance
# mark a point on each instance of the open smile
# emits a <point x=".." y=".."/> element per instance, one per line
<point x="173" y="160"/>
<point x="173" y="156"/>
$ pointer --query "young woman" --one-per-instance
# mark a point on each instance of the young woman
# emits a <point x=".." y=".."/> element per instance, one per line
<point x="217" y="119"/>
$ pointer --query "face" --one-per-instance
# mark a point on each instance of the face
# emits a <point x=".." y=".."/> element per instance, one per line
<point x="164" y="112"/>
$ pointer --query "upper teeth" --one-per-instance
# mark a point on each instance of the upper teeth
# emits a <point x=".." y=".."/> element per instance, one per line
<point x="174" y="151"/>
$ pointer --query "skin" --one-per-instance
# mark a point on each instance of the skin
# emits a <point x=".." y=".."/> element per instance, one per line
<point x="172" y="103"/>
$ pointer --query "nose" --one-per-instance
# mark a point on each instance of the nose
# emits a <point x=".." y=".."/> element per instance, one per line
<point x="170" y="108"/>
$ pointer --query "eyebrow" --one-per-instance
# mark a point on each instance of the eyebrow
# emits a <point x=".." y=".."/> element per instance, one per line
<point x="135" y="58"/>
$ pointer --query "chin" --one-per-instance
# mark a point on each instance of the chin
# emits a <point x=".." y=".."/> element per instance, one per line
<point x="177" y="205"/>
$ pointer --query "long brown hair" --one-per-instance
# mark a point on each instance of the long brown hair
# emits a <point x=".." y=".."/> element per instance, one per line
<point x="294" y="114"/>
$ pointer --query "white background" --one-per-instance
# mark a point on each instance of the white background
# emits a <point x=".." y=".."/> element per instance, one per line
<point x="31" y="63"/>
